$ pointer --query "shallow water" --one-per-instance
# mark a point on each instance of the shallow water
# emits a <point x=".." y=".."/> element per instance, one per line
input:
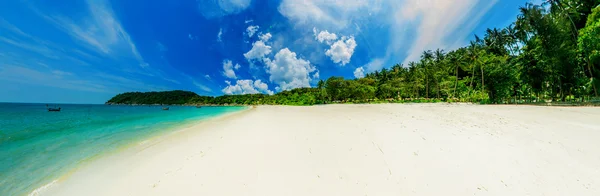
<point x="37" y="146"/>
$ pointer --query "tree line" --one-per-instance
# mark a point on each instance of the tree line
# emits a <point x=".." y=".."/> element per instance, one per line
<point x="551" y="52"/>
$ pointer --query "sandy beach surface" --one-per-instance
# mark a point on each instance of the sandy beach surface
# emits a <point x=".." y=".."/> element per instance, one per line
<point x="346" y="150"/>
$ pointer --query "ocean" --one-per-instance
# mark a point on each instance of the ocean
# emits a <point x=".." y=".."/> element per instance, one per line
<point x="37" y="147"/>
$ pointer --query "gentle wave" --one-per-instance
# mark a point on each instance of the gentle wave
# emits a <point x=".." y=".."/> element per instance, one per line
<point x="41" y="189"/>
<point x="38" y="145"/>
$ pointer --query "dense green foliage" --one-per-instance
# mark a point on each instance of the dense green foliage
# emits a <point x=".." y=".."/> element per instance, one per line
<point x="300" y="96"/>
<point x="166" y="97"/>
<point x="552" y="52"/>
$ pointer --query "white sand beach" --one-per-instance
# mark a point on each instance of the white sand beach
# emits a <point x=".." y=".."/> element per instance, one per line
<point x="346" y="150"/>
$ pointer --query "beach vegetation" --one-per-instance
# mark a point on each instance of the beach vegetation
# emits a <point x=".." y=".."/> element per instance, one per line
<point x="551" y="53"/>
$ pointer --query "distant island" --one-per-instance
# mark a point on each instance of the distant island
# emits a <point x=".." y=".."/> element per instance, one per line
<point x="301" y="96"/>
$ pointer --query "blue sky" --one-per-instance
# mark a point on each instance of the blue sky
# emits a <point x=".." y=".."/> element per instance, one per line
<point x="88" y="51"/>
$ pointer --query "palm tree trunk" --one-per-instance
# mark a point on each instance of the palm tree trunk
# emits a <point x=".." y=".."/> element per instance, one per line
<point x="471" y="82"/>
<point x="482" y="84"/>
<point x="592" y="78"/>
<point x="426" y="87"/>
<point x="437" y="83"/>
<point x="455" y="82"/>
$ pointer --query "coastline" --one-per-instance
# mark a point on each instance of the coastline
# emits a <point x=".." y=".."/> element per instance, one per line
<point x="125" y="149"/>
<point x="374" y="149"/>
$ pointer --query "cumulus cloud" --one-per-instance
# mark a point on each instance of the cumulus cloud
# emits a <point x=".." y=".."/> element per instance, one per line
<point x="218" y="8"/>
<point x="262" y="87"/>
<point x="359" y="72"/>
<point x="251" y="30"/>
<point x="258" y="51"/>
<point x="374" y="65"/>
<point x="265" y="37"/>
<point x="246" y="87"/>
<point x="288" y="71"/>
<point x="228" y="69"/>
<point x="341" y="51"/>
<point x="414" y="25"/>
<point x="316" y="75"/>
<point x="325" y="36"/>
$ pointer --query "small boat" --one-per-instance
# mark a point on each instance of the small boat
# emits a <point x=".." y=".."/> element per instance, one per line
<point x="167" y="108"/>
<point x="55" y="109"/>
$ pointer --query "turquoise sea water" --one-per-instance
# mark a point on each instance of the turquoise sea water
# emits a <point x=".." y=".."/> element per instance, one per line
<point x="37" y="146"/>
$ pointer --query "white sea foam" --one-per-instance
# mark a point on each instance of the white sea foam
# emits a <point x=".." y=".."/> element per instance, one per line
<point x="143" y="142"/>
<point x="41" y="189"/>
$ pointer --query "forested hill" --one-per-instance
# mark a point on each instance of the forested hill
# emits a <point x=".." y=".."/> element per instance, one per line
<point x="300" y="96"/>
<point x="550" y="53"/>
<point x="147" y="98"/>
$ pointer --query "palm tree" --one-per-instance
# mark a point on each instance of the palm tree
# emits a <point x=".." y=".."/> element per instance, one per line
<point x="455" y="61"/>
<point x="472" y="53"/>
<point x="439" y="59"/>
<point x="321" y="84"/>
<point x="413" y="70"/>
<point x="557" y="6"/>
<point x="426" y="59"/>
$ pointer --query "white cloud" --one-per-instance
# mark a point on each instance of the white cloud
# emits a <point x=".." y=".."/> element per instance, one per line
<point x="316" y="75"/>
<point x="219" y="35"/>
<point x="288" y="71"/>
<point x="359" y="72"/>
<point x="262" y="87"/>
<point x="246" y="87"/>
<point x="437" y="20"/>
<point x="251" y="30"/>
<point x="218" y="8"/>
<point x="100" y="31"/>
<point x="414" y="25"/>
<point x="207" y="77"/>
<point x="325" y="36"/>
<point x="374" y="65"/>
<point x="341" y="51"/>
<point x="334" y="14"/>
<point x="38" y="48"/>
<point x="228" y="69"/>
<point x="248" y="21"/>
<point x="258" y="51"/>
<point x="201" y="86"/>
<point x="192" y="37"/>
<point x="265" y="37"/>
<point x="198" y="85"/>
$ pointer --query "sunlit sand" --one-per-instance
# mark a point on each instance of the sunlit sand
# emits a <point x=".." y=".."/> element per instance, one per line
<point x="386" y="149"/>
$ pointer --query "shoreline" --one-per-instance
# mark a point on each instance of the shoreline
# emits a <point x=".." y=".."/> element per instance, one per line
<point x="374" y="149"/>
<point x="547" y="104"/>
<point x="125" y="149"/>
